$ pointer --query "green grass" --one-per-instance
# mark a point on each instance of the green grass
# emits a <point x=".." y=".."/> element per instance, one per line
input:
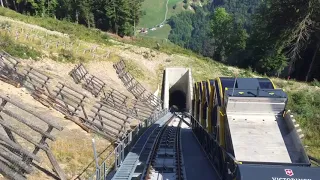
<point x="315" y="83"/>
<point x="26" y="48"/>
<point x="155" y="11"/>
<point x="305" y="106"/>
<point x="173" y="2"/>
<point x="135" y="70"/>
<point x="179" y="7"/>
<point x="73" y="29"/>
<point x="142" y="75"/>
<point x="160" y="33"/>
<point x="18" y="50"/>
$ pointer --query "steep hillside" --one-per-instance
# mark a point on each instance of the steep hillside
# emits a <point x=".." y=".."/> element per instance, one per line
<point x="57" y="53"/>
<point x="242" y="9"/>
<point x="157" y="12"/>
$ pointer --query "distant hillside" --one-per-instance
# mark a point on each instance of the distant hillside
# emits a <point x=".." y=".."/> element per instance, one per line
<point x="242" y="9"/>
<point x="192" y="30"/>
<point x="156" y="12"/>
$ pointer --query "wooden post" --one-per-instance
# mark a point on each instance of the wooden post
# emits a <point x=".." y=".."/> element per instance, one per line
<point x="55" y="165"/>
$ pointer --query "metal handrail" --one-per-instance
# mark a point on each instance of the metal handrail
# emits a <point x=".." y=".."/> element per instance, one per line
<point x="119" y="152"/>
<point x="223" y="149"/>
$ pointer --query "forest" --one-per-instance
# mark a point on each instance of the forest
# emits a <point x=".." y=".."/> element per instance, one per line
<point x="116" y="16"/>
<point x="273" y="37"/>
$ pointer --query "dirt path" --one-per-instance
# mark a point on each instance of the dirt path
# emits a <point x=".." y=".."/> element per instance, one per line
<point x="165" y="16"/>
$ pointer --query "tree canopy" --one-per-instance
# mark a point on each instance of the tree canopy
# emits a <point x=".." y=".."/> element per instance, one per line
<point x="118" y="16"/>
<point x="274" y="37"/>
<point x="229" y="36"/>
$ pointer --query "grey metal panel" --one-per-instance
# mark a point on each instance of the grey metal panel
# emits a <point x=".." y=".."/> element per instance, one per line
<point x="255" y="105"/>
<point x="127" y="168"/>
<point x="272" y="93"/>
<point x="196" y="163"/>
<point x="258" y="138"/>
<point x="248" y="83"/>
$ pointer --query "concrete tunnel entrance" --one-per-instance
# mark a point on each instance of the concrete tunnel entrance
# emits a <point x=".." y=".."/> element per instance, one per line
<point x="179" y="99"/>
<point x="177" y="88"/>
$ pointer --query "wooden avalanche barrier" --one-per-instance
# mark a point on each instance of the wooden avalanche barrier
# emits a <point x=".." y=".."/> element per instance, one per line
<point x="108" y="123"/>
<point x="135" y="87"/>
<point x="8" y="70"/>
<point x="120" y="102"/>
<point x="16" y="157"/>
<point x="91" y="83"/>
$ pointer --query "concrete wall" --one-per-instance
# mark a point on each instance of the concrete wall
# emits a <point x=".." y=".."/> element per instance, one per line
<point x="177" y="79"/>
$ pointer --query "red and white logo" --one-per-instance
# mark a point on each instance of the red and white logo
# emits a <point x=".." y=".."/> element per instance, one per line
<point x="289" y="172"/>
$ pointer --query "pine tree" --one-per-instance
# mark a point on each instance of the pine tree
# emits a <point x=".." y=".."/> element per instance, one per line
<point x="124" y="18"/>
<point x="228" y="35"/>
<point x="111" y="13"/>
<point x="281" y="32"/>
<point x="135" y="11"/>
<point x="85" y="8"/>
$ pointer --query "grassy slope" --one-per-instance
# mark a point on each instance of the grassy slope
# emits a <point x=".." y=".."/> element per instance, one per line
<point x="304" y="99"/>
<point x="179" y="8"/>
<point x="73" y="29"/>
<point x="161" y="33"/>
<point x="155" y="10"/>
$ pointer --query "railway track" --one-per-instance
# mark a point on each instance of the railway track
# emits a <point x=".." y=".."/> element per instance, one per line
<point x="165" y="159"/>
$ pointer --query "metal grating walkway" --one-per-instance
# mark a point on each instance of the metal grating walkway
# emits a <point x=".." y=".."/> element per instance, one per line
<point x="196" y="163"/>
<point x="140" y="152"/>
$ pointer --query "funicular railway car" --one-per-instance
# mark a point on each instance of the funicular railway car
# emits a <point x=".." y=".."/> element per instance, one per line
<point x="250" y="135"/>
<point x="203" y="106"/>
<point x="197" y="101"/>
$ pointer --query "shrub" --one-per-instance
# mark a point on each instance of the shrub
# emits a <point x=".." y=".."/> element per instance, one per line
<point x="4" y="25"/>
<point x="305" y="105"/>
<point x="174" y="6"/>
<point x="66" y="55"/>
<point x="17" y="50"/>
<point x="315" y="83"/>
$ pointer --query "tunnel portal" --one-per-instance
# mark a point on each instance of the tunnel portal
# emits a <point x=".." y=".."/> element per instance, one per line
<point x="177" y="88"/>
<point x="179" y="99"/>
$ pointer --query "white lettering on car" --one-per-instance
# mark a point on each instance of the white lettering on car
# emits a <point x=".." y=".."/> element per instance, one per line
<point x="280" y="178"/>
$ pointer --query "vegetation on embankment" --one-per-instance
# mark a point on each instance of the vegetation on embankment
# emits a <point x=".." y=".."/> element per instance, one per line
<point x="17" y="50"/>
<point x="305" y="106"/>
<point x="304" y="98"/>
<point x="74" y="30"/>
<point x="304" y="103"/>
<point x="154" y="12"/>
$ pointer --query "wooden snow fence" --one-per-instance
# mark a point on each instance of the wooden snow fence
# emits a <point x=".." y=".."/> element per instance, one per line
<point x="135" y="87"/>
<point x="8" y="70"/>
<point x="91" y="83"/>
<point x="16" y="156"/>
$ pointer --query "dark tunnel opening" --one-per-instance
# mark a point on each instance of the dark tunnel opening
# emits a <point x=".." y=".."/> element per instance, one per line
<point x="178" y="98"/>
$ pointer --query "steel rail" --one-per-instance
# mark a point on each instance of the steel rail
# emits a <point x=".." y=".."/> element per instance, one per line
<point x="153" y="150"/>
<point x="178" y="152"/>
<point x="165" y="136"/>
